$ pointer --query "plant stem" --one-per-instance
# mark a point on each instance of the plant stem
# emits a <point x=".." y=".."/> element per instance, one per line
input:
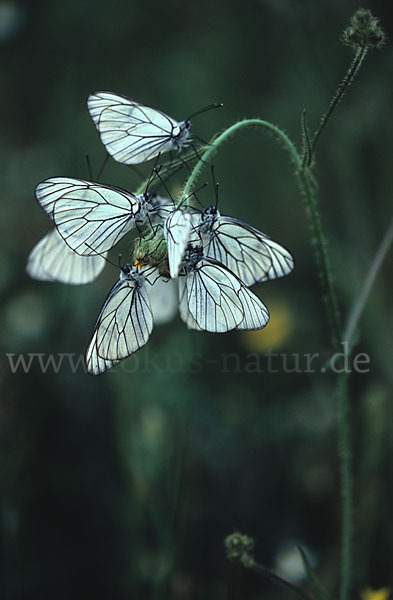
<point x="225" y="135"/>
<point x="321" y="253"/>
<point x="306" y="187"/>
<point x="353" y="69"/>
<point x="346" y="485"/>
<point x="284" y="582"/>
<point x="361" y="300"/>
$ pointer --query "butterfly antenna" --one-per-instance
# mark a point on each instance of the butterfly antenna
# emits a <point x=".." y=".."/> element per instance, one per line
<point x="197" y="153"/>
<point x="184" y="164"/>
<point x="197" y="192"/>
<point x="216" y="185"/>
<point x="205" y="109"/>
<point x="154" y="173"/>
<point x="102" y="254"/>
<point x="104" y="162"/>
<point x="89" y="167"/>
<point x="164" y="185"/>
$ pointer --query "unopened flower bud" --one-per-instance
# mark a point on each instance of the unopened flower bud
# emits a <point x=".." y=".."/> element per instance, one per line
<point x="240" y="547"/>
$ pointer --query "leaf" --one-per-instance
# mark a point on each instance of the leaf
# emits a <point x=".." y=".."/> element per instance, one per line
<point x="318" y="591"/>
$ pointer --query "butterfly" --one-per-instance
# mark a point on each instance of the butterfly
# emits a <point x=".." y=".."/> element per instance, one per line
<point x="163" y="298"/>
<point x="212" y="298"/>
<point x="93" y="217"/>
<point x="250" y="254"/>
<point x="52" y="260"/>
<point x="177" y="232"/>
<point x="134" y="133"/>
<point x="124" y="324"/>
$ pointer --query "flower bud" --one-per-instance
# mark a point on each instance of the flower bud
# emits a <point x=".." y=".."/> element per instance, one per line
<point x="240" y="547"/>
<point x="364" y="30"/>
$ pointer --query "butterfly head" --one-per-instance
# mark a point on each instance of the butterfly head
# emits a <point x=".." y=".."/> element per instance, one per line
<point x="192" y="257"/>
<point x="208" y="218"/>
<point x="184" y="134"/>
<point x="132" y="271"/>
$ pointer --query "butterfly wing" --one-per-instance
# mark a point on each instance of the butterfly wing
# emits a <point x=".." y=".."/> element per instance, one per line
<point x="96" y="365"/>
<point x="211" y="292"/>
<point x="163" y="299"/>
<point x="52" y="260"/>
<point x="124" y="324"/>
<point x="90" y="217"/>
<point x="256" y="314"/>
<point x="247" y="252"/>
<point x="177" y="231"/>
<point x="184" y="311"/>
<point x="131" y="132"/>
<point x="161" y="209"/>
<point x="50" y="190"/>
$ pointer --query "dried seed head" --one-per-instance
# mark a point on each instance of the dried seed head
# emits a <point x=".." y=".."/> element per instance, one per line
<point x="364" y="30"/>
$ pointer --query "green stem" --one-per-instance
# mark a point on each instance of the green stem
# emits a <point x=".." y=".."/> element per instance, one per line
<point x="349" y="77"/>
<point x="321" y="253"/>
<point x="306" y="187"/>
<point x="262" y="570"/>
<point x="346" y="485"/>
<point x="225" y="135"/>
<point x="365" y="291"/>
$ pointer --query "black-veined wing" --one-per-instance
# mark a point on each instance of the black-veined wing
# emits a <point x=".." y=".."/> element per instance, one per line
<point x="256" y="314"/>
<point x="50" y="190"/>
<point x="131" y="132"/>
<point x="184" y="311"/>
<point x="90" y="217"/>
<point x="52" y="260"/>
<point x="247" y="252"/>
<point x="124" y="324"/>
<point x="163" y="298"/>
<point x="211" y="293"/>
<point x="199" y="299"/>
<point x="96" y="365"/>
<point x="177" y="231"/>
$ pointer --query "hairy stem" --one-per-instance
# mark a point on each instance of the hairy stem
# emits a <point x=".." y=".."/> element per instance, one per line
<point x="349" y="77"/>
<point x="225" y="135"/>
<point x="346" y="485"/>
<point x="321" y="253"/>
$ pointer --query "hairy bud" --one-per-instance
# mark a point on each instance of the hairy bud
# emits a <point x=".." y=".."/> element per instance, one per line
<point x="364" y="30"/>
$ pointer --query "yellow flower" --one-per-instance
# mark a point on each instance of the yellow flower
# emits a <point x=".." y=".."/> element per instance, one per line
<point x="381" y="594"/>
<point x="274" y="334"/>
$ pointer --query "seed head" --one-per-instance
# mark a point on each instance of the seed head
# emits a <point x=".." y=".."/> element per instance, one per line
<point x="364" y="30"/>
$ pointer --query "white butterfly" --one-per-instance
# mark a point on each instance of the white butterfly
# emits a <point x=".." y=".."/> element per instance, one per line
<point x="93" y="217"/>
<point x="247" y="252"/>
<point x="52" y="260"/>
<point x="214" y="299"/>
<point x="163" y="298"/>
<point x="124" y="324"/>
<point x="132" y="132"/>
<point x="177" y="232"/>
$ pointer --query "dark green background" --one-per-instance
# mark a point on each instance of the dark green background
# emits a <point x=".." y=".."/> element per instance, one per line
<point x="125" y="485"/>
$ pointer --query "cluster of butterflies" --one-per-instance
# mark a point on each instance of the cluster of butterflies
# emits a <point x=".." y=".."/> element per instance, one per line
<point x="214" y="258"/>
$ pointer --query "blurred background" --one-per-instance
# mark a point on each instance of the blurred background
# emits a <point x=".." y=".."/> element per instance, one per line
<point x="125" y="485"/>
